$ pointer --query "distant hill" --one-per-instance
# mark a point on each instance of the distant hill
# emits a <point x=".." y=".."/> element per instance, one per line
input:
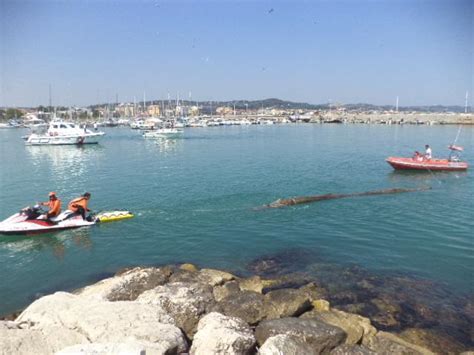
<point x="290" y="105"/>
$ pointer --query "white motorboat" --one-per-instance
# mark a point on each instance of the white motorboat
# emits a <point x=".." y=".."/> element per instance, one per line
<point x="163" y="133"/>
<point x="61" y="133"/>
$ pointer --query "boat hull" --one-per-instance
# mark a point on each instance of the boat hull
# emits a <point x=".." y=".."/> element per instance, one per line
<point x="37" y="226"/>
<point x="163" y="133"/>
<point x="426" y="165"/>
<point x="63" y="140"/>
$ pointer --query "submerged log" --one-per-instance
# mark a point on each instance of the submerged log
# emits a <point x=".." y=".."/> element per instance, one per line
<point x="309" y="199"/>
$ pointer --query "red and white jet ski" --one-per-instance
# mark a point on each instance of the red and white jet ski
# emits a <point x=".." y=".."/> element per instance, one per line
<point x="31" y="220"/>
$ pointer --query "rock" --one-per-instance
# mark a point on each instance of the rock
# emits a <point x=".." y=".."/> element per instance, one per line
<point x="388" y="313"/>
<point x="386" y="344"/>
<point x="246" y="305"/>
<point x="227" y="289"/>
<point x="286" y="344"/>
<point x="354" y="325"/>
<point x="313" y="292"/>
<point x="208" y="276"/>
<point x="321" y="305"/>
<point x="286" y="303"/>
<point x="128" y="285"/>
<point x="429" y="339"/>
<point x="344" y="297"/>
<point x="189" y="267"/>
<point x="218" y="334"/>
<point x="320" y="336"/>
<point x="293" y="280"/>
<point x="185" y="302"/>
<point x="180" y="275"/>
<point x="255" y="284"/>
<point x="125" y="348"/>
<point x="215" y="277"/>
<point x="353" y="308"/>
<point x="16" y="340"/>
<point x="347" y="349"/>
<point x="103" y="321"/>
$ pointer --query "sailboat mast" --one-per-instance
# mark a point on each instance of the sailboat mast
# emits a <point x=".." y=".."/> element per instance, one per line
<point x="465" y="103"/>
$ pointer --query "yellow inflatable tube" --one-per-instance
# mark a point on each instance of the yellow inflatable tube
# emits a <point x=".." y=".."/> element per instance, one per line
<point x="113" y="216"/>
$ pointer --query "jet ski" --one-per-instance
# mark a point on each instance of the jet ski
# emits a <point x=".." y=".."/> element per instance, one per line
<point x="32" y="220"/>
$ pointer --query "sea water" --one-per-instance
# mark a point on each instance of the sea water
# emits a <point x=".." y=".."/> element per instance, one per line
<point x="194" y="199"/>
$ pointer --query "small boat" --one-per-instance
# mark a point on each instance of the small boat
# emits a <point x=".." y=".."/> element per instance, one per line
<point x="163" y="133"/>
<point x="30" y="220"/>
<point x="61" y="133"/>
<point x="418" y="162"/>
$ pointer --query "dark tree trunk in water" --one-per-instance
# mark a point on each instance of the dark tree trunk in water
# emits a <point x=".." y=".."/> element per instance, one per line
<point x="309" y="199"/>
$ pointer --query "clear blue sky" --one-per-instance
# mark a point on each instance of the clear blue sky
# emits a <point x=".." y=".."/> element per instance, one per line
<point x="311" y="51"/>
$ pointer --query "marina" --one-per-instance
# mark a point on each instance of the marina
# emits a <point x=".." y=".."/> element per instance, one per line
<point x="175" y="185"/>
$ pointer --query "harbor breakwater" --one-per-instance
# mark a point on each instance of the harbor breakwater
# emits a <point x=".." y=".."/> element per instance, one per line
<point x="182" y="309"/>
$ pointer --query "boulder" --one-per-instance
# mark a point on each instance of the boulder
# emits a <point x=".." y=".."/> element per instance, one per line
<point x="128" y="285"/>
<point x="15" y="340"/>
<point x="347" y="349"/>
<point x="247" y="305"/>
<point x="185" y="302"/>
<point x="430" y="339"/>
<point x="125" y="348"/>
<point x="354" y="325"/>
<point x="188" y="267"/>
<point x="227" y="289"/>
<point x="388" y="312"/>
<point x="103" y="321"/>
<point x="313" y="292"/>
<point x="219" y="334"/>
<point x="286" y="344"/>
<point x="208" y="276"/>
<point x="321" y="305"/>
<point x="286" y="303"/>
<point x="255" y="284"/>
<point x="214" y="277"/>
<point x="386" y="343"/>
<point x="320" y="336"/>
<point x="181" y="275"/>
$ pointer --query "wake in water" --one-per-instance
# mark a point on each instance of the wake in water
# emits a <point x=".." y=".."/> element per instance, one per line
<point x="309" y="199"/>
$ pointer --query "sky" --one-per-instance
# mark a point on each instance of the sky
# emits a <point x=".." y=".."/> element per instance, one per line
<point x="349" y="51"/>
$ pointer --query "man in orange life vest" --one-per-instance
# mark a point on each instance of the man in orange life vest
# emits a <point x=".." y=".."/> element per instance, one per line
<point x="54" y="205"/>
<point x="79" y="205"/>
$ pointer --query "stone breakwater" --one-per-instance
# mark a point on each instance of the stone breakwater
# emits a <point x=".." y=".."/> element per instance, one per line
<point x="176" y="310"/>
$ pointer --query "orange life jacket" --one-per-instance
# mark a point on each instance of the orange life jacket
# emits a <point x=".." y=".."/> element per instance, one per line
<point x="80" y="201"/>
<point x="54" y="207"/>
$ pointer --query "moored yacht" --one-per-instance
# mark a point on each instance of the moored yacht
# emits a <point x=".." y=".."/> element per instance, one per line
<point x="62" y="132"/>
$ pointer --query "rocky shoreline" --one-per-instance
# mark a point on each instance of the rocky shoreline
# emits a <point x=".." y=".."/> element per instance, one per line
<point x="183" y="309"/>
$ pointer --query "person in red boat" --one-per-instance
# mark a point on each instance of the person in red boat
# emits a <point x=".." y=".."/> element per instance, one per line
<point x="428" y="154"/>
<point x="417" y="156"/>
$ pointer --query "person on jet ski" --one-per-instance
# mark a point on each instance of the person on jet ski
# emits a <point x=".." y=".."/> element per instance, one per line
<point x="79" y="205"/>
<point x="54" y="205"/>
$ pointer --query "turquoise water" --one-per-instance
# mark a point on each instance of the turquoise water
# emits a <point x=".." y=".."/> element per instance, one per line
<point x="194" y="198"/>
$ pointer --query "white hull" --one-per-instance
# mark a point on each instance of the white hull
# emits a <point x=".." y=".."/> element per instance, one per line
<point x="90" y="138"/>
<point x="17" y="224"/>
<point x="163" y="133"/>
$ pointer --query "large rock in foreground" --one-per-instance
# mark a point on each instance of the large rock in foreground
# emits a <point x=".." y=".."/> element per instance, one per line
<point x="219" y="334"/>
<point x="103" y="322"/>
<point x="247" y="305"/>
<point x="128" y="285"/>
<point x="16" y="340"/>
<point x="185" y="302"/>
<point x="354" y="325"/>
<point x="386" y="343"/>
<point x="320" y="336"/>
<point x="286" y="344"/>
